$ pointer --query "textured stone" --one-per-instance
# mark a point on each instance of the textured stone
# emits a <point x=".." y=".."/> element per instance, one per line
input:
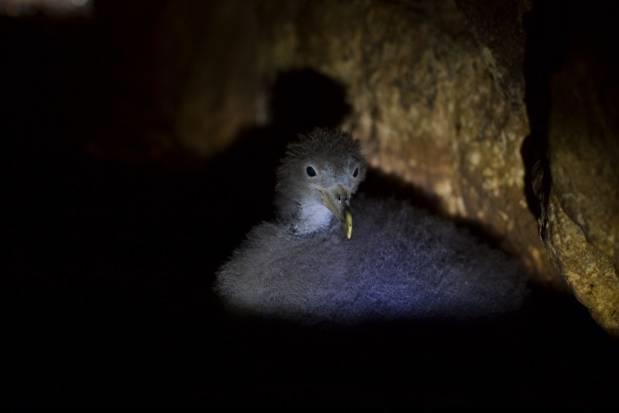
<point x="583" y="208"/>
<point x="499" y="28"/>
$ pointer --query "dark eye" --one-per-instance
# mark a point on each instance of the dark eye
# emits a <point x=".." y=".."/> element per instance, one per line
<point x="310" y="171"/>
<point x="355" y="172"/>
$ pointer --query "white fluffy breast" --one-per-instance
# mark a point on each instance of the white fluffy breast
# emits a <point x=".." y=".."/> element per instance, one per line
<point x="313" y="216"/>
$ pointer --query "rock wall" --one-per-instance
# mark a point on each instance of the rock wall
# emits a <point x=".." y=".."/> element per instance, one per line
<point x="582" y="221"/>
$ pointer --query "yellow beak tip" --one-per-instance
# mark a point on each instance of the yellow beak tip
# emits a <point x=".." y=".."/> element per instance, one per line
<point x="348" y="224"/>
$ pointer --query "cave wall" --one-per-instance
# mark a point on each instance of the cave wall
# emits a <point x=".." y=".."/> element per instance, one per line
<point x="582" y="221"/>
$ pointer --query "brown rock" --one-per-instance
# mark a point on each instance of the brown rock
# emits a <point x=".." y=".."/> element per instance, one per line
<point x="583" y="210"/>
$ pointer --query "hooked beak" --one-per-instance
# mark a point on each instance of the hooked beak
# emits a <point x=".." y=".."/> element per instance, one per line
<point x="337" y="200"/>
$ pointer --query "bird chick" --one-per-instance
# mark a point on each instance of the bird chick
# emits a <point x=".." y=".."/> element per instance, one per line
<point x="399" y="263"/>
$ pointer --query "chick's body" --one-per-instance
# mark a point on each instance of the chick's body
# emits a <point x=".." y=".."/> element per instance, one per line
<point x="416" y="266"/>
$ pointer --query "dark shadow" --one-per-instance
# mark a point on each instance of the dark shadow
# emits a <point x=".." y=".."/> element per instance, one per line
<point x="538" y="62"/>
<point x="304" y="99"/>
<point x="382" y="185"/>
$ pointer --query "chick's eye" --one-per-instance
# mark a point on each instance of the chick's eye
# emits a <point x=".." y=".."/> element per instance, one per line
<point x="310" y="171"/>
<point x="355" y="173"/>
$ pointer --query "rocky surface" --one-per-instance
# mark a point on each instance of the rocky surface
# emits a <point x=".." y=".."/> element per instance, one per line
<point x="573" y="93"/>
<point x="583" y="206"/>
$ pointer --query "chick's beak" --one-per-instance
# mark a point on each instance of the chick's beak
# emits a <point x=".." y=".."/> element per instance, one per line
<point x="337" y="200"/>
